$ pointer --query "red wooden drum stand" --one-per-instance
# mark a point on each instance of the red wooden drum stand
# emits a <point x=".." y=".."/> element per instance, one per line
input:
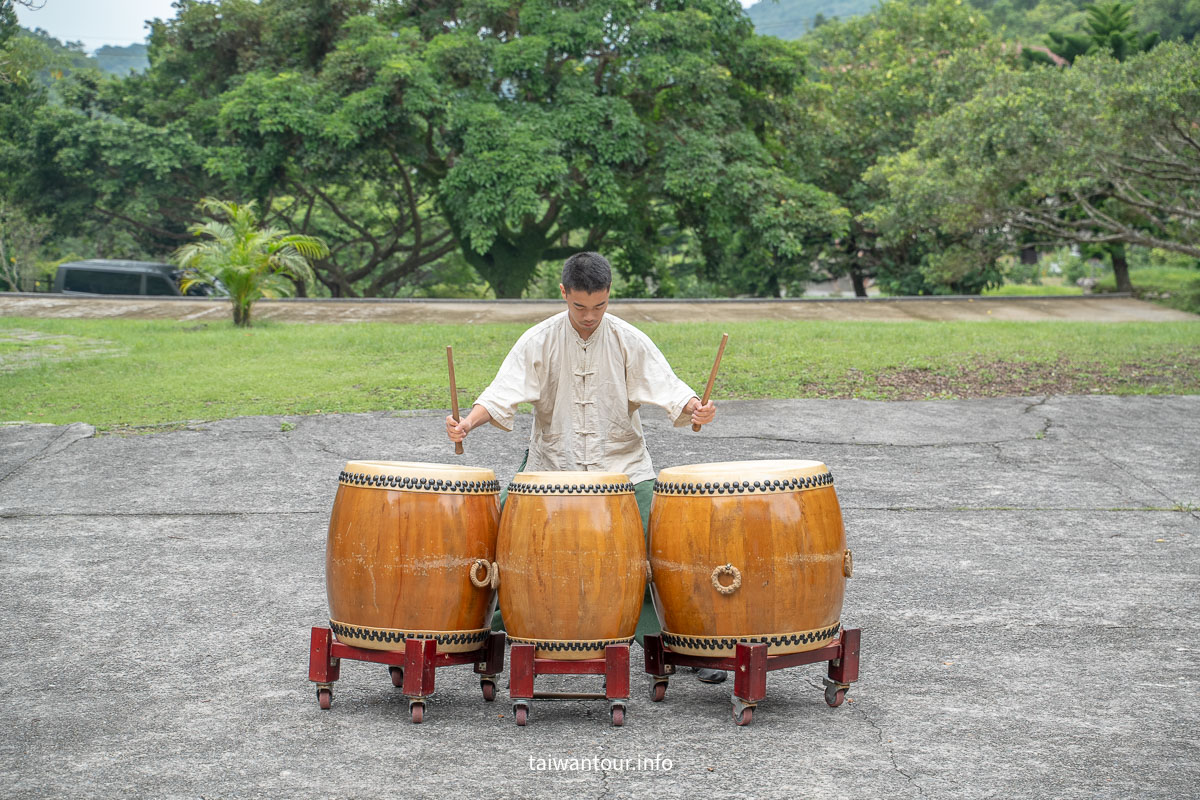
<point x="750" y="665"/>
<point x="411" y="669"/>
<point x="524" y="666"/>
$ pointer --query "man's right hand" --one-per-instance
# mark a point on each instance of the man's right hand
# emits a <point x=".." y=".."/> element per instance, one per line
<point x="457" y="431"/>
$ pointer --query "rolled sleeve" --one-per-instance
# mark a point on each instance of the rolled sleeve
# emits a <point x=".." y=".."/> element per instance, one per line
<point x="516" y="382"/>
<point x="650" y="379"/>
<point x="502" y="416"/>
<point x="675" y="412"/>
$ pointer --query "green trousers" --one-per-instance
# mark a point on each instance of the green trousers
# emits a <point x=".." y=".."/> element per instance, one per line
<point x="643" y="492"/>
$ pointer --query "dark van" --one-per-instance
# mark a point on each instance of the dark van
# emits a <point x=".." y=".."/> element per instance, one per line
<point x="103" y="276"/>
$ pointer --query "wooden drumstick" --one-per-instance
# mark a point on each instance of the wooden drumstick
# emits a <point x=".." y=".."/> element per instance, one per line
<point x="458" y="447"/>
<point x="713" y="375"/>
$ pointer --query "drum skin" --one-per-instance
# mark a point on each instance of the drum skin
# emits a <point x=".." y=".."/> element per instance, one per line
<point x="783" y="540"/>
<point x="572" y="562"/>
<point x="400" y="554"/>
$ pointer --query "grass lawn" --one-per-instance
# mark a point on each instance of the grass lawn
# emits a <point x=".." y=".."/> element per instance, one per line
<point x="125" y="374"/>
<point x="1169" y="286"/>
<point x="1028" y="290"/>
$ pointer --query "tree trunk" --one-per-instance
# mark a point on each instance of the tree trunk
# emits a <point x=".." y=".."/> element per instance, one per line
<point x="860" y="283"/>
<point x="1120" y="267"/>
<point x="4" y="265"/>
<point x="508" y="267"/>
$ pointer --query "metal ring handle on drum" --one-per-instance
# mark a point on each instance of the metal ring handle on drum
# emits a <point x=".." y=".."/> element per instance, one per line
<point x="848" y="564"/>
<point x="486" y="581"/>
<point x="733" y="572"/>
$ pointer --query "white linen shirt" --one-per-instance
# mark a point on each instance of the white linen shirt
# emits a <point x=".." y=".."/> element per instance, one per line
<point x="585" y="395"/>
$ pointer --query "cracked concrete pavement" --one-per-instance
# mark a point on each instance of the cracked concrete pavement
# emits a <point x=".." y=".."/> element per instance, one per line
<point x="1026" y="581"/>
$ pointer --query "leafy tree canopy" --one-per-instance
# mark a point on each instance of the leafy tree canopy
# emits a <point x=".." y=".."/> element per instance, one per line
<point x="520" y="131"/>
<point x="1170" y="19"/>
<point x="874" y="80"/>
<point x="550" y="127"/>
<point x="1108" y="29"/>
<point x="1102" y="153"/>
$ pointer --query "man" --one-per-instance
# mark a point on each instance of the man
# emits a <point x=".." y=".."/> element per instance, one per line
<point x="587" y="373"/>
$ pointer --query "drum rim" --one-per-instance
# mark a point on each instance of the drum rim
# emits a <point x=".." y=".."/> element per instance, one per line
<point x="742" y="470"/>
<point x="570" y="478"/>
<point x="735" y="478"/>
<point x="419" y="469"/>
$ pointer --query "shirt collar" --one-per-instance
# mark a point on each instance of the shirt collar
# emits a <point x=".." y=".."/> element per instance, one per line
<point x="582" y="342"/>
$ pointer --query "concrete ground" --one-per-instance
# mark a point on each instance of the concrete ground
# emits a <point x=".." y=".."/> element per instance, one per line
<point x="1027" y="575"/>
<point x="1092" y="308"/>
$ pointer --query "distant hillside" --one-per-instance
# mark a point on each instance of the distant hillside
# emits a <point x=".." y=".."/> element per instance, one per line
<point x="122" y="60"/>
<point x="109" y="58"/>
<point x="791" y="19"/>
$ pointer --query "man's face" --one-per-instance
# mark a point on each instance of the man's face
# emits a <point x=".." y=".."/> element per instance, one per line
<point x="585" y="309"/>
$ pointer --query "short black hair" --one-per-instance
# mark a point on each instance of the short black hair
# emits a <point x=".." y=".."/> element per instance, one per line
<point x="587" y="272"/>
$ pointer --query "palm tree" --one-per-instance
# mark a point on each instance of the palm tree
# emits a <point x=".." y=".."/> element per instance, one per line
<point x="251" y="262"/>
<point x="1109" y="29"/>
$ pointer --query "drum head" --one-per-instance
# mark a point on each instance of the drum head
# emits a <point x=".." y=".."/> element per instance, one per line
<point x="418" y="469"/>
<point x="414" y="476"/>
<point x="570" y="483"/>
<point x="781" y="470"/>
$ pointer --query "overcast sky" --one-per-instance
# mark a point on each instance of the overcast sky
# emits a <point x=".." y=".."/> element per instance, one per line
<point x="101" y="22"/>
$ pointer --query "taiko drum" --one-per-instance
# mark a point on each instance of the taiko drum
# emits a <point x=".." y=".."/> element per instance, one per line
<point x="572" y="562"/>
<point x="410" y="554"/>
<point x="748" y="551"/>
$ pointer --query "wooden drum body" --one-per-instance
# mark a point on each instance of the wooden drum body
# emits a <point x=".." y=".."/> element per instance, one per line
<point x="572" y="562"/>
<point x="748" y="551"/>
<point x="409" y="555"/>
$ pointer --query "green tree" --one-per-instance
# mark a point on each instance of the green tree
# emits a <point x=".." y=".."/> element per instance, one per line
<point x="1028" y="20"/>
<point x="398" y="131"/>
<point x="548" y="129"/>
<point x="1104" y="153"/>
<point x="1170" y="19"/>
<point x="873" y="80"/>
<point x="232" y="105"/>
<point x="8" y="21"/>
<point x="20" y="238"/>
<point x="251" y="261"/>
<point x="22" y="98"/>
<point x="328" y="152"/>
<point x="1109" y="29"/>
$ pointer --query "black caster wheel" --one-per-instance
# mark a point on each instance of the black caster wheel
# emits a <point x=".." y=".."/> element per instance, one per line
<point x="834" y="696"/>
<point x="325" y="698"/>
<point x="397" y="675"/>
